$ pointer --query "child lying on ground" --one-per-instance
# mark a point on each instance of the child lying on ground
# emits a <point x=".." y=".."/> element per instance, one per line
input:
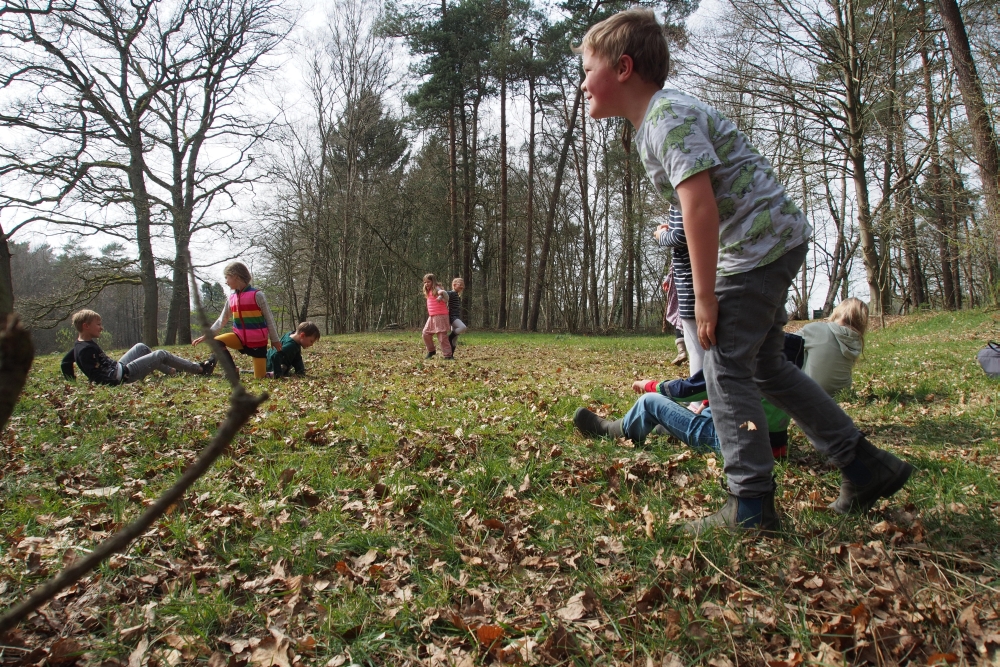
<point x="134" y="365"/>
<point x="658" y="411"/>
<point x="281" y="363"/>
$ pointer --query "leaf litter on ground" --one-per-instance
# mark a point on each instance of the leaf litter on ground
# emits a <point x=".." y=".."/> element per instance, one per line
<point x="388" y="510"/>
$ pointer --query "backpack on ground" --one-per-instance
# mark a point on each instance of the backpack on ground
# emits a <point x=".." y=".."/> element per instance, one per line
<point x="989" y="359"/>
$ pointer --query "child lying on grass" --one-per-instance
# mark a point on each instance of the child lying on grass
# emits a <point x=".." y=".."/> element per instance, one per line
<point x="134" y="365"/>
<point x="658" y="411"/>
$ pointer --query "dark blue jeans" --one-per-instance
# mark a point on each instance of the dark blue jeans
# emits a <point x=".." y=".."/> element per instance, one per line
<point x="652" y="410"/>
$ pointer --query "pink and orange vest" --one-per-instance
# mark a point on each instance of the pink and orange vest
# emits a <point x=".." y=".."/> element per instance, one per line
<point x="249" y="324"/>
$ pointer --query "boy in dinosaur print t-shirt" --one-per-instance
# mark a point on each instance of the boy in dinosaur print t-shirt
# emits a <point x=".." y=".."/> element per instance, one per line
<point x="680" y="137"/>
<point x="746" y="241"/>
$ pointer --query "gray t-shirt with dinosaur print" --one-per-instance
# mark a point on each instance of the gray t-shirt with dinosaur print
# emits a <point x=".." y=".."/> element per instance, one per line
<point x="681" y="136"/>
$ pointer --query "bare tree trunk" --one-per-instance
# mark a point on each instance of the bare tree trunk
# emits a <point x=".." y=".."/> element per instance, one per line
<point x="502" y="318"/>
<point x="551" y="215"/>
<point x="984" y="137"/>
<point x="466" y="216"/>
<point x="179" y="314"/>
<point x="6" y="281"/>
<point x="935" y="178"/>
<point x="876" y="270"/>
<point x="629" y="229"/>
<point x="530" y="208"/>
<point x="147" y="262"/>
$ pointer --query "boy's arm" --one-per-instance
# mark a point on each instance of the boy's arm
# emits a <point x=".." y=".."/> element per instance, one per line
<point x="300" y="368"/>
<point x="67" y="365"/>
<point x="701" y="228"/>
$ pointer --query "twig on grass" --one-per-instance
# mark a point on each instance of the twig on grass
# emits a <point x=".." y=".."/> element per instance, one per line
<point x="242" y="407"/>
<point x="716" y="568"/>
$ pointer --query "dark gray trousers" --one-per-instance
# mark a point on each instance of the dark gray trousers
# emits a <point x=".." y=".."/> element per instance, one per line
<point x="140" y="361"/>
<point x="748" y="361"/>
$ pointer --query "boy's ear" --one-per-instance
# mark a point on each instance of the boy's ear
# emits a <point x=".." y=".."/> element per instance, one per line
<point x="625" y="68"/>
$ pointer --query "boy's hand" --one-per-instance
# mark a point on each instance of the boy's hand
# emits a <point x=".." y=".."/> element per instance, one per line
<point x="659" y="230"/>
<point x="639" y="386"/>
<point x="197" y="340"/>
<point x="706" y="314"/>
<point x="701" y="228"/>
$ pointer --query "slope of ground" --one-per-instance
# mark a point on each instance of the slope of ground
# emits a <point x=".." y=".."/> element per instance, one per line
<point x="392" y="510"/>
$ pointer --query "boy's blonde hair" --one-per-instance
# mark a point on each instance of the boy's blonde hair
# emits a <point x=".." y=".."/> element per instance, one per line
<point x="238" y="270"/>
<point x="84" y="317"/>
<point x="308" y="329"/>
<point x="635" y="33"/>
<point x="853" y="314"/>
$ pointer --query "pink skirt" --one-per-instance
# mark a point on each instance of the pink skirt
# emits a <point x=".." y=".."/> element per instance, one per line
<point x="437" y="324"/>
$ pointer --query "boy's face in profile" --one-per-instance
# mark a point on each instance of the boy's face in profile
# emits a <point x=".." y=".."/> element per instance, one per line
<point x="601" y="86"/>
<point x="458" y="285"/>
<point x="307" y="341"/>
<point x="92" y="329"/>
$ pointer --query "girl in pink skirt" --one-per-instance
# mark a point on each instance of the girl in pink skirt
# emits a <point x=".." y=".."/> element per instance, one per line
<point x="438" y="323"/>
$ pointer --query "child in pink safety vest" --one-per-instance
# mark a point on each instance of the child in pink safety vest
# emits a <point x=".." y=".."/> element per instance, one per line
<point x="253" y="324"/>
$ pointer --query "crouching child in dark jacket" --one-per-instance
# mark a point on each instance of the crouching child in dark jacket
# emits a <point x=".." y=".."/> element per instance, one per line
<point x="281" y="363"/>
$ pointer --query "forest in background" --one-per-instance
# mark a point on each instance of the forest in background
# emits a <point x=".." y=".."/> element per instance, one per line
<point x="146" y="123"/>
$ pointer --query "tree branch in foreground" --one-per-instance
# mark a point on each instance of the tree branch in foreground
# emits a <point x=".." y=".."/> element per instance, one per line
<point x="242" y="407"/>
<point x="16" y="355"/>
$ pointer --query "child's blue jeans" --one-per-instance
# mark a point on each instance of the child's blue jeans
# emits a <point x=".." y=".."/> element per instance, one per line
<point x="652" y="409"/>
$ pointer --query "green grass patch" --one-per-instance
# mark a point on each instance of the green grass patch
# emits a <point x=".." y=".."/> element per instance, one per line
<point x="388" y="509"/>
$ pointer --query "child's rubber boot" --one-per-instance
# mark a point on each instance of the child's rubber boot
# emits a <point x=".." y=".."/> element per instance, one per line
<point x="590" y="424"/>
<point x="430" y="354"/>
<point x="682" y="353"/>
<point x="874" y="473"/>
<point x="741" y="513"/>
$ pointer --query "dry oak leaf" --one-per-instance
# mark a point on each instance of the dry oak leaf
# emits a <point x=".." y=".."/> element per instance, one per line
<point x="671" y="660"/>
<point x="578" y="606"/>
<point x="362" y="562"/>
<point x="272" y="652"/>
<point x="647" y="516"/>
<point x="489" y="635"/>
<point x="138" y="657"/>
<point x="65" y="651"/>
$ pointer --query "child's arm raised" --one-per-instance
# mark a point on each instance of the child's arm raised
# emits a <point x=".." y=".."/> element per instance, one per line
<point x="701" y="228"/>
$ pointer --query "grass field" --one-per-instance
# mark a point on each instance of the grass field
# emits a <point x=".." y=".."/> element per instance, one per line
<point x="392" y="510"/>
